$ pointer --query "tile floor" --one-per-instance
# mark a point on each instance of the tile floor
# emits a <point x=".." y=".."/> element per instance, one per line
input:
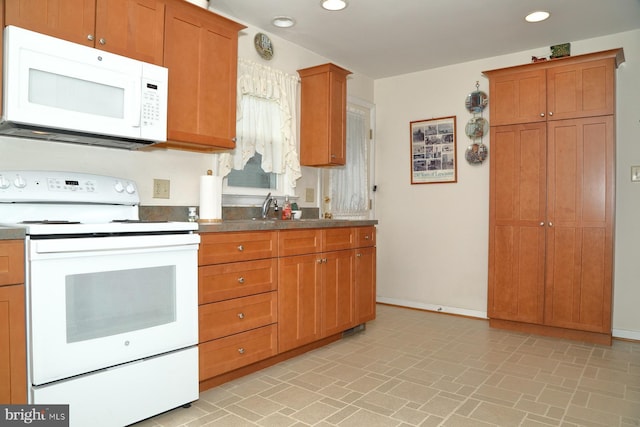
<point x="415" y="368"/>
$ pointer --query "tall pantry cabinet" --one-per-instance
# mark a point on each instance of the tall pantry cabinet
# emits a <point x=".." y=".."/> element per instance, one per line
<point x="551" y="194"/>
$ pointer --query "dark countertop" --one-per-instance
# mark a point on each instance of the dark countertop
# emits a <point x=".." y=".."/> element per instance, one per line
<point x="271" y="224"/>
<point x="11" y="233"/>
<point x="17" y="233"/>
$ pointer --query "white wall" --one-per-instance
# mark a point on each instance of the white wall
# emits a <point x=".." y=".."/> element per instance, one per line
<point x="433" y="238"/>
<point x="182" y="168"/>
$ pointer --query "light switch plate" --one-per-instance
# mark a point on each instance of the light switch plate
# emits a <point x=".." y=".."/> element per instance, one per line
<point x="309" y="195"/>
<point x="635" y="173"/>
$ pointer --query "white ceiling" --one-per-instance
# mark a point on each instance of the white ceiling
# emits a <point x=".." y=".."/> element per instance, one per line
<point x="382" y="38"/>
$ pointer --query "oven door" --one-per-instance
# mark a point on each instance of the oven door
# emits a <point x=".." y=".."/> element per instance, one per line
<point x="101" y="301"/>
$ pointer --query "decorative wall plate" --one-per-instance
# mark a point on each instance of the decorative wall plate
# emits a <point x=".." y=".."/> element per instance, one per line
<point x="477" y="127"/>
<point x="263" y="45"/>
<point x="476" y="101"/>
<point x="476" y="153"/>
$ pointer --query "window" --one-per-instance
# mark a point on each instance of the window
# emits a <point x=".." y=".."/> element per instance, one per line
<point x="265" y="157"/>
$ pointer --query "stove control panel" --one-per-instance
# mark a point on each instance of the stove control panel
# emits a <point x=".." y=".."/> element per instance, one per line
<point x="66" y="187"/>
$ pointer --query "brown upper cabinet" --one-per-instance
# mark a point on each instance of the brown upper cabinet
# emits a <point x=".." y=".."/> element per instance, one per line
<point x="579" y="86"/>
<point x="323" y="115"/>
<point x="132" y="28"/>
<point x="201" y="53"/>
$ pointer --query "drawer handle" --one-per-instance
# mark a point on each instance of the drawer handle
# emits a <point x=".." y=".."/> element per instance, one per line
<point x="240" y="315"/>
<point x="241" y="248"/>
<point x="366" y="237"/>
<point x="240" y="279"/>
<point x="241" y="350"/>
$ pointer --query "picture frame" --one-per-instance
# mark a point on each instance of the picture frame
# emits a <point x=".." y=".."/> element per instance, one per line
<point x="433" y="151"/>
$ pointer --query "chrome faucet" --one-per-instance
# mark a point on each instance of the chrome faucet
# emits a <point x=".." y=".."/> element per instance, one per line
<point x="266" y="205"/>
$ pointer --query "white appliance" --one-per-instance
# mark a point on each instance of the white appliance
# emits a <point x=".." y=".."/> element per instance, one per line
<point x="112" y="306"/>
<point x="66" y="92"/>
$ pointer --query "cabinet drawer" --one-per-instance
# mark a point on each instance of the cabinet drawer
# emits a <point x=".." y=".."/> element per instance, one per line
<point x="365" y="236"/>
<point x="300" y="242"/>
<point x="224" y="318"/>
<point x="11" y="262"/>
<point x="217" y="248"/>
<point x="233" y="352"/>
<point x="238" y="279"/>
<point x="336" y="239"/>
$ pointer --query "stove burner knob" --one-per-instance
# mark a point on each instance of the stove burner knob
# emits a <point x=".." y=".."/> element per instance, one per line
<point x="19" y="182"/>
<point x="131" y="188"/>
<point x="118" y="187"/>
<point x="4" y="182"/>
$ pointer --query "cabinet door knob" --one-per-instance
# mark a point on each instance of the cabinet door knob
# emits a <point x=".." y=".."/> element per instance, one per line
<point x="541" y="114"/>
<point x="240" y="315"/>
<point x="542" y="224"/>
<point x="366" y="237"/>
<point x="550" y="224"/>
<point x="358" y="255"/>
<point x="551" y="113"/>
<point x="241" y="350"/>
<point x="240" y="248"/>
<point x="319" y="260"/>
<point x="240" y="279"/>
<point x="90" y="37"/>
<point x="102" y="41"/>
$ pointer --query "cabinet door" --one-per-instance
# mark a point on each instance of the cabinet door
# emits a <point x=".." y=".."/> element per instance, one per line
<point x="132" y="28"/>
<point x="581" y="90"/>
<point x="517" y="201"/>
<point x="200" y="52"/>
<point x="323" y="109"/>
<point x="298" y="301"/>
<point x="13" y="359"/>
<point x="518" y="97"/>
<point x="580" y="224"/>
<point x="72" y="20"/>
<point x="365" y="284"/>
<point x="338" y="292"/>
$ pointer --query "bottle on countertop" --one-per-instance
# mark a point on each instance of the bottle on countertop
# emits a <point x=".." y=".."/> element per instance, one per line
<point x="286" y="208"/>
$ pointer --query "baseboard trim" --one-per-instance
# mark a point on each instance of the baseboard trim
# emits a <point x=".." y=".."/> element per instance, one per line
<point x="432" y="307"/>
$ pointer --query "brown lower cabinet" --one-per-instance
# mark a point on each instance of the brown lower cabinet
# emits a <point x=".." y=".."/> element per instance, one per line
<point x="268" y="295"/>
<point x="13" y="360"/>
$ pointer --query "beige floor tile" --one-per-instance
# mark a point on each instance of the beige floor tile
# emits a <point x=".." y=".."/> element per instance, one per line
<point x="415" y="368"/>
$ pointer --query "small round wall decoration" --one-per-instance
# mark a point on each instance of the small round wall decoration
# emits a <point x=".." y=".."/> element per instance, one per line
<point x="263" y="45"/>
<point x="477" y="127"/>
<point x="476" y="102"/>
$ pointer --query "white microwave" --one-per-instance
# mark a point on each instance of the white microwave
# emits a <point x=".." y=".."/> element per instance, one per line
<point x="66" y="92"/>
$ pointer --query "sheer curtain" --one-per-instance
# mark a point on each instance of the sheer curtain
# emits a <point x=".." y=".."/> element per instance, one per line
<point x="349" y="184"/>
<point x="265" y="122"/>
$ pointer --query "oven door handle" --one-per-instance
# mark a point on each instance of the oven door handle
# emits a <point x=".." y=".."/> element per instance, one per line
<point x="92" y="244"/>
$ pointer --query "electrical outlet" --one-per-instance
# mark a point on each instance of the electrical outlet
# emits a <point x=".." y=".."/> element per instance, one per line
<point x="161" y="188"/>
<point x="309" y="195"/>
<point x="635" y="173"/>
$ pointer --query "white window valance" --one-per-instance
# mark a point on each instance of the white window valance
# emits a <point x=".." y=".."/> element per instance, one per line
<point x="265" y="122"/>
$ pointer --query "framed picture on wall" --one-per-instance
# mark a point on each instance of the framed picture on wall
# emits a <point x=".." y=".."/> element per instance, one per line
<point x="433" y="151"/>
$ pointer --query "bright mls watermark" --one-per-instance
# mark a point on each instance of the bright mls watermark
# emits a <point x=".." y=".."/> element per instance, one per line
<point x="34" y="415"/>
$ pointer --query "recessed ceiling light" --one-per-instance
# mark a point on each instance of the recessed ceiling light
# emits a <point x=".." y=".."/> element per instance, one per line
<point x="538" y="16"/>
<point x="334" y="4"/>
<point x="283" y="22"/>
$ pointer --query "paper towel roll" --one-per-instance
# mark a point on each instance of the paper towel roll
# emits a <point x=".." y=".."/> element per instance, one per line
<point x="210" y="198"/>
